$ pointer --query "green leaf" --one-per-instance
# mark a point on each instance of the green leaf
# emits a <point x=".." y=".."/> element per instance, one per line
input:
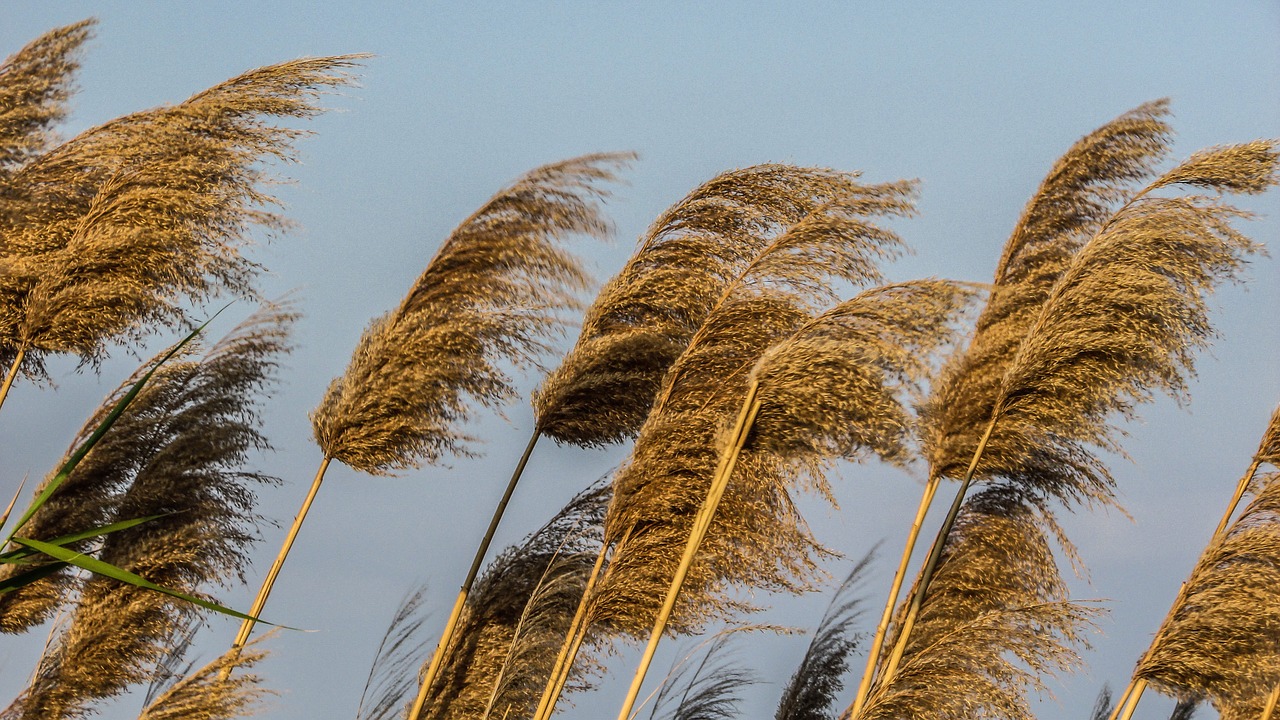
<point x="95" y="565"/>
<point x="19" y="555"/>
<point x="30" y="576"/>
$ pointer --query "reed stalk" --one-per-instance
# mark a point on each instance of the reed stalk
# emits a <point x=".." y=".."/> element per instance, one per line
<point x="260" y="601"/>
<point x="729" y="459"/>
<point x="451" y="625"/>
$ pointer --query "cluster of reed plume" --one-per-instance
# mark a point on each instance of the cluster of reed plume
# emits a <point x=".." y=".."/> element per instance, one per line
<point x="727" y="347"/>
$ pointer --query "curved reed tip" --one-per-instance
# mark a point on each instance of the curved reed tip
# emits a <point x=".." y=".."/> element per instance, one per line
<point x="496" y="294"/>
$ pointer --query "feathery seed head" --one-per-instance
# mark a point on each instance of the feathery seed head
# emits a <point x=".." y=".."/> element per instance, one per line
<point x="647" y="314"/>
<point x="496" y="292"/>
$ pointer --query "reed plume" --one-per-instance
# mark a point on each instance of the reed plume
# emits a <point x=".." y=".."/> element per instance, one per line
<point x="708" y="691"/>
<point x="35" y="84"/>
<point x="644" y="317"/>
<point x="1073" y="201"/>
<point x="110" y="234"/>
<point x="205" y="695"/>
<point x="496" y="292"/>
<point x="1121" y="322"/>
<point x="181" y="456"/>
<point x="811" y="692"/>
<point x="510" y="630"/>
<point x="996" y="619"/>
<point x="392" y="676"/>
<point x="1217" y="641"/>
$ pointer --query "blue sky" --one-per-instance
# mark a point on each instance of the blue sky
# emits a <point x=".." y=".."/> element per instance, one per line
<point x="976" y="100"/>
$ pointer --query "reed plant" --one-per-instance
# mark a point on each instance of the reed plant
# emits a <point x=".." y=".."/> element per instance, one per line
<point x="1121" y="322"/>
<point x="115" y="232"/>
<point x="178" y="457"/>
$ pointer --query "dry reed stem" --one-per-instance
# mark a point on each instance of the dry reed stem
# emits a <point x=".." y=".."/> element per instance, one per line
<point x="109" y="235"/>
<point x="496" y="292"/>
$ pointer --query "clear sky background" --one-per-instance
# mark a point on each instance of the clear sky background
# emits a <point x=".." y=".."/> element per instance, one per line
<point x="976" y="100"/>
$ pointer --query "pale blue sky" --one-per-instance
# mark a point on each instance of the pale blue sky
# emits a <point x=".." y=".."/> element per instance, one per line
<point x="976" y="100"/>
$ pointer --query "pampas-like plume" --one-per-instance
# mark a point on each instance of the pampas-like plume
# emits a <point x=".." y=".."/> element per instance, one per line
<point x="995" y="621"/>
<point x="646" y="315"/>
<point x="495" y="292"/>
<point x="206" y="695"/>
<point x="811" y="693"/>
<point x="35" y="83"/>
<point x="1073" y="201"/>
<point x="177" y="449"/>
<point x="179" y="452"/>
<point x="1218" y="640"/>
<point x="108" y="234"/>
<point x="1121" y="322"/>
<point x="511" y="628"/>
<point x="707" y="692"/>
<point x="392" y="675"/>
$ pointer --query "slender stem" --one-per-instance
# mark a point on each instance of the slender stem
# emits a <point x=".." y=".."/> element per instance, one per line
<point x="12" y="374"/>
<point x="246" y="627"/>
<point x="575" y="636"/>
<point x="1272" y="699"/>
<point x="1241" y="488"/>
<point x="1125" y="711"/>
<point x="1124" y="699"/>
<point x="701" y="523"/>
<point x="873" y="656"/>
<point x="437" y="658"/>
<point x="935" y="554"/>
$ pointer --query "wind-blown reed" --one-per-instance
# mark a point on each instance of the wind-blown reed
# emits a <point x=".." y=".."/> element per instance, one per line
<point x="108" y="235"/>
<point x="996" y="619"/>
<point x="208" y="693"/>
<point x="1079" y="193"/>
<point x="179" y="453"/>
<point x="35" y="84"/>
<point x="392" y="675"/>
<point x="644" y="318"/>
<point x="1121" y="322"/>
<point x="495" y="293"/>
<point x="1217" y="641"/>
<point x="708" y="690"/>
<point x="811" y="692"/>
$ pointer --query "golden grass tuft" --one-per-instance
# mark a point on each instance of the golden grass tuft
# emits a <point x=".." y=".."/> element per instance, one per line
<point x="1079" y="194"/>
<point x="645" y="317"/>
<point x="178" y="451"/>
<point x="35" y="83"/>
<point x="996" y="620"/>
<point x="212" y="692"/>
<point x="110" y="234"/>
<point x="495" y="293"/>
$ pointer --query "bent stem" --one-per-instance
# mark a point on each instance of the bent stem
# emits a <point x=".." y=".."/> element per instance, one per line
<point x="1272" y="699"/>
<point x="701" y="523"/>
<point x="246" y="626"/>
<point x="12" y="374"/>
<point x="437" y="658"/>
<point x="873" y="656"/>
